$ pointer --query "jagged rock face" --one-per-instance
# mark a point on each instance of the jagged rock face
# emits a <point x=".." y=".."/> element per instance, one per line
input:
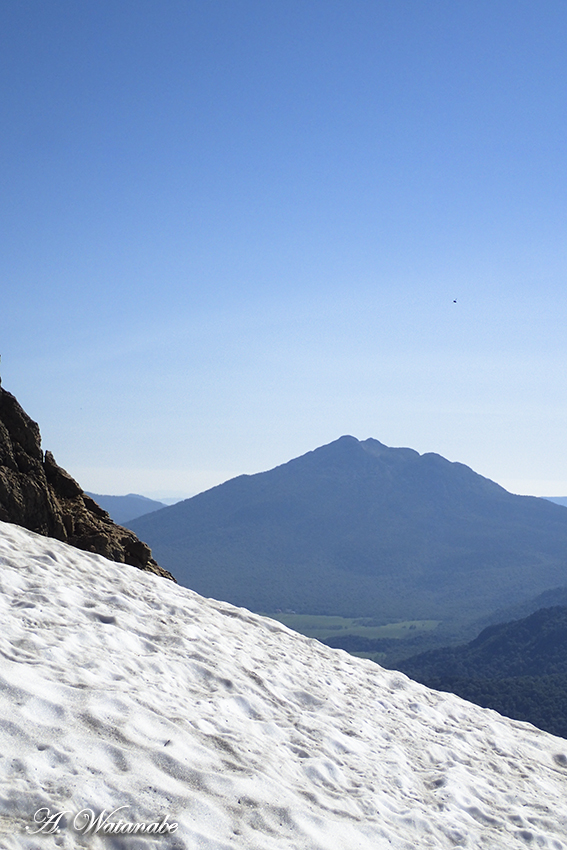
<point x="39" y="495"/>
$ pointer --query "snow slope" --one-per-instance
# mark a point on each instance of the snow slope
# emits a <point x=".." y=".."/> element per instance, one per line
<point x="119" y="689"/>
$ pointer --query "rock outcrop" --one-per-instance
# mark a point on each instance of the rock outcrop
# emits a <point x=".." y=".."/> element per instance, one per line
<point x="39" y="495"/>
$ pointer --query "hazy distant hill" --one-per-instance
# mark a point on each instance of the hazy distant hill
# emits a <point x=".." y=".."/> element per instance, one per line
<point x="125" y="508"/>
<point x="517" y="668"/>
<point x="559" y="500"/>
<point x="547" y="599"/>
<point x="360" y="529"/>
<point x="533" y="646"/>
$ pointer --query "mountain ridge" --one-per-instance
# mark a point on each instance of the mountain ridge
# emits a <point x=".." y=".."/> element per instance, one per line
<point x="518" y="668"/>
<point x="362" y="529"/>
<point x="532" y="646"/>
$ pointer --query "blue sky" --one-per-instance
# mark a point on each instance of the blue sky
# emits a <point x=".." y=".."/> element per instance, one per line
<point x="235" y="230"/>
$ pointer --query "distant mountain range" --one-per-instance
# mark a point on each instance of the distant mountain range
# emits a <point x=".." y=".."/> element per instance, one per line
<point x="517" y="668"/>
<point x="125" y="508"/>
<point x="358" y="529"/>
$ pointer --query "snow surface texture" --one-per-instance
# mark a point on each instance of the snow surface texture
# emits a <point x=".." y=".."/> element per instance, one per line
<point x="118" y="688"/>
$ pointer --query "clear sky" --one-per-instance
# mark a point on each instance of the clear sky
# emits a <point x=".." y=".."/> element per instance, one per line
<point x="234" y="230"/>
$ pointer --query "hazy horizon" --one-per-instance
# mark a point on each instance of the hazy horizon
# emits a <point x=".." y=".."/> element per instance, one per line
<point x="169" y="498"/>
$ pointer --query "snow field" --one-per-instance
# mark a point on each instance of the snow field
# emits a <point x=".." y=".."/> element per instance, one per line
<point x="118" y="688"/>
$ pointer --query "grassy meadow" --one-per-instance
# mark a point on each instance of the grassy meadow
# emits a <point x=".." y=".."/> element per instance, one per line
<point x="322" y="627"/>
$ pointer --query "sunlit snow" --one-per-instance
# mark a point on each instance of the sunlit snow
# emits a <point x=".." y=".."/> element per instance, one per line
<point x="120" y="689"/>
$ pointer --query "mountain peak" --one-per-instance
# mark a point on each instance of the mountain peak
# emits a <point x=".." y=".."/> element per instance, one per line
<point x="356" y="528"/>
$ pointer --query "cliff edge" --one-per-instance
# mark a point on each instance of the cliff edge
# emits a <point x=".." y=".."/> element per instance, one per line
<point x="36" y="493"/>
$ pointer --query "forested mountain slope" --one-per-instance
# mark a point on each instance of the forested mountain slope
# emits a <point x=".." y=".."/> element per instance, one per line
<point x="360" y="529"/>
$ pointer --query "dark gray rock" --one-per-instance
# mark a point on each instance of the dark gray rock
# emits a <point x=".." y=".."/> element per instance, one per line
<point x="36" y="493"/>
